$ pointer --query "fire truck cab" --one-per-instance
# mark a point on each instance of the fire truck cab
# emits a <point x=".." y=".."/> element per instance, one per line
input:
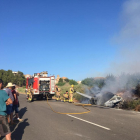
<point x="42" y="85"/>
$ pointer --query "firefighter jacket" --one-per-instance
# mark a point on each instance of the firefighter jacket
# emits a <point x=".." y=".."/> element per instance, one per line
<point x="30" y="91"/>
<point x="71" y="90"/>
<point x="66" y="95"/>
<point x="57" y="89"/>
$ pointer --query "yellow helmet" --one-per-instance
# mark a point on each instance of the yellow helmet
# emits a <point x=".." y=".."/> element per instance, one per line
<point x="72" y="85"/>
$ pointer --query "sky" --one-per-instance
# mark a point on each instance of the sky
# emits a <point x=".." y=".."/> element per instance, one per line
<point x="70" y="38"/>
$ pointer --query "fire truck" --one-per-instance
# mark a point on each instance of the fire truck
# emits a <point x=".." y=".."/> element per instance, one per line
<point x="42" y="85"/>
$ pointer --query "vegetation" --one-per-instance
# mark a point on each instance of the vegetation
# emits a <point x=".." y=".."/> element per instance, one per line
<point x="73" y="82"/>
<point x="110" y="77"/>
<point x="61" y="82"/>
<point x="137" y="91"/>
<point x="21" y="89"/>
<point x="8" y="76"/>
<point x="99" y="82"/>
<point x="66" y="80"/>
<point x="131" y="104"/>
<point x="88" y="81"/>
<point x="128" y="81"/>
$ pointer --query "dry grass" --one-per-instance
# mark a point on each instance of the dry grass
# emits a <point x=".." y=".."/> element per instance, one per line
<point x="21" y="90"/>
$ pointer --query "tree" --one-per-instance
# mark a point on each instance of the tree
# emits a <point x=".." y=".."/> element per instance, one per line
<point x="99" y="82"/>
<point x="110" y="78"/>
<point x="88" y="81"/>
<point x="8" y="76"/>
<point x="61" y="80"/>
<point x="67" y="80"/>
<point x="73" y="82"/>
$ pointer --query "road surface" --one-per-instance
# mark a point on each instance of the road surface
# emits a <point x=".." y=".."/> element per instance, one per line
<point x="41" y="123"/>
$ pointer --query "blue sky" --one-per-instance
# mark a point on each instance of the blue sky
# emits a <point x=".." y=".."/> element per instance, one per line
<point x="71" y="38"/>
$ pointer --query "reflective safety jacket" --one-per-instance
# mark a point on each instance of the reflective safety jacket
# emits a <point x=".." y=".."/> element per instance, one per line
<point x="30" y="91"/>
<point x="71" y="90"/>
<point x="57" y="89"/>
<point x="66" y="95"/>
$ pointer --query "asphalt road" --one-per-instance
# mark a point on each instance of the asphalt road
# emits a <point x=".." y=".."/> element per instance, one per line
<point x="41" y="123"/>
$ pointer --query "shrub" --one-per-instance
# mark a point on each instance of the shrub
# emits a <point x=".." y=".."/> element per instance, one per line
<point x="73" y="82"/>
<point x="60" y="80"/>
<point x="88" y="81"/>
<point x="21" y="90"/>
<point x="137" y="108"/>
<point x="60" y="84"/>
<point x="138" y="90"/>
<point x="99" y="82"/>
<point x="67" y="80"/>
<point x="131" y="104"/>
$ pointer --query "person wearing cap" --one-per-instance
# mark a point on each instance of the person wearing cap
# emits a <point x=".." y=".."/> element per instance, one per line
<point x="71" y="94"/>
<point x="9" y="109"/>
<point x="4" y="100"/>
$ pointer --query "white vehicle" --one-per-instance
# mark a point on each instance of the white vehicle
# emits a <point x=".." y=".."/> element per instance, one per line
<point x="113" y="101"/>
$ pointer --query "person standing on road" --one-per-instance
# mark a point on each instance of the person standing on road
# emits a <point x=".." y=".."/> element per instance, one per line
<point x="71" y="94"/>
<point x="29" y="94"/>
<point x="16" y="103"/>
<point x="9" y="109"/>
<point x="4" y="100"/>
<point x="57" y="92"/>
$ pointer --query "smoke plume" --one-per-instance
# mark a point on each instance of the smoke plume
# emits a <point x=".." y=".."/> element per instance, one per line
<point x="128" y="59"/>
<point x="128" y="40"/>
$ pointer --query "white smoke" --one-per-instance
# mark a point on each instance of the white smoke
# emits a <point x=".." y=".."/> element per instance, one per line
<point x="128" y="59"/>
<point x="128" y="40"/>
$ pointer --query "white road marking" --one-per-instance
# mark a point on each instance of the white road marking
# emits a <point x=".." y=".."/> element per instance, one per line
<point x="89" y="122"/>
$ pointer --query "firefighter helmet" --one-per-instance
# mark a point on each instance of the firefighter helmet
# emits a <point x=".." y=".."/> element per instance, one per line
<point x="72" y="85"/>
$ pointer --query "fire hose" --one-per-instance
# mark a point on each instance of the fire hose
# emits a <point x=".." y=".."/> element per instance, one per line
<point x="83" y="105"/>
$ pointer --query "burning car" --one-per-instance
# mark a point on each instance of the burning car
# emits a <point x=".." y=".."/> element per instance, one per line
<point x="114" y="101"/>
<point x="107" y="99"/>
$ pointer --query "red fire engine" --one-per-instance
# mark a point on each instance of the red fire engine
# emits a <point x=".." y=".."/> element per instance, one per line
<point x="42" y="85"/>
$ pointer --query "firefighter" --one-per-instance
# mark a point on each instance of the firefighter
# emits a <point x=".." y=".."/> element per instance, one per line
<point x="66" y="96"/>
<point x="30" y="93"/>
<point x="57" y="92"/>
<point x="71" y="94"/>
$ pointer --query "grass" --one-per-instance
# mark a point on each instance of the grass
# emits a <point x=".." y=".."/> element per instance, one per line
<point x="21" y="89"/>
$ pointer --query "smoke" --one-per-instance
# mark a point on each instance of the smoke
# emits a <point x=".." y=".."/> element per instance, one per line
<point x="127" y="60"/>
<point x="128" y="40"/>
<point x="123" y="85"/>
